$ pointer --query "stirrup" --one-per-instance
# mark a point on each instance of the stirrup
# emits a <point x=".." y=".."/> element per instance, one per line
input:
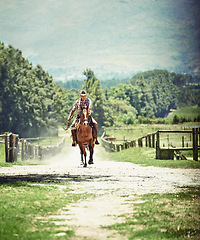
<point x="96" y="142"/>
<point x="74" y="144"/>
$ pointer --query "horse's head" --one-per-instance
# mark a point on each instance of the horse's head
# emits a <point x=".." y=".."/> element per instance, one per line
<point x="85" y="115"/>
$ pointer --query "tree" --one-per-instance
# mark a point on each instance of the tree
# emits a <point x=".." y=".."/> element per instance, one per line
<point x="146" y="106"/>
<point x="31" y="104"/>
<point x="100" y="108"/>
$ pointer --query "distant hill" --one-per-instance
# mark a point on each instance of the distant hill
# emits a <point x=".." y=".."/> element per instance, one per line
<point x="77" y="84"/>
<point x="179" y="80"/>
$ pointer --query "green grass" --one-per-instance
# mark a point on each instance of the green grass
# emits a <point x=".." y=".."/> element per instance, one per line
<point x="146" y="157"/>
<point x="48" y="141"/>
<point x="163" y="216"/>
<point x="24" y="211"/>
<point x="133" y="132"/>
<point x="189" y="112"/>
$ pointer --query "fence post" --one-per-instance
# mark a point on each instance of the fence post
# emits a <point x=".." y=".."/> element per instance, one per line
<point x="10" y="148"/>
<point x="183" y="141"/>
<point x="153" y="140"/>
<point x="195" y="143"/>
<point x="26" y="149"/>
<point x="149" y="137"/>
<point x="15" y="149"/>
<point x="22" y="149"/>
<point x="118" y="147"/>
<point x="6" y="148"/>
<point x="40" y="152"/>
<point x="199" y="136"/>
<point x="140" y="143"/>
<point x="158" y="139"/>
<point x="146" y="141"/>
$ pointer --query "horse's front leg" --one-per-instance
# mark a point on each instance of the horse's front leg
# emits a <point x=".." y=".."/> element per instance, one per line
<point x="81" y="152"/>
<point x="82" y="162"/>
<point x="85" y="155"/>
<point x="91" y="148"/>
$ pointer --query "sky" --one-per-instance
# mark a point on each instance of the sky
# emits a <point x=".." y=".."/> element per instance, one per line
<point x="104" y="35"/>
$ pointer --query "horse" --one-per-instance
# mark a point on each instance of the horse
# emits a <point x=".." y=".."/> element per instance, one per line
<point x="84" y="137"/>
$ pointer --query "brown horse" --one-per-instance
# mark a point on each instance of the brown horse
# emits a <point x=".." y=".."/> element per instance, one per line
<point x="84" y="137"/>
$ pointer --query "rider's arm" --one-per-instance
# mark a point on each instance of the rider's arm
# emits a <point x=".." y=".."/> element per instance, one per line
<point x="75" y="107"/>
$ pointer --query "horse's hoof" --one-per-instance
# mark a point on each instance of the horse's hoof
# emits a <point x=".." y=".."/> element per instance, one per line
<point x="90" y="162"/>
<point x="81" y="163"/>
<point x="85" y="165"/>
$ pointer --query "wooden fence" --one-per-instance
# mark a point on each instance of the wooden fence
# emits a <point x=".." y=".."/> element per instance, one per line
<point x="173" y="143"/>
<point x="15" y="147"/>
<point x="168" y="143"/>
<point x="116" y="147"/>
<point x="11" y="146"/>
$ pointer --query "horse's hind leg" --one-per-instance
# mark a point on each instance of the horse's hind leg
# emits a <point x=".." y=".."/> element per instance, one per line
<point x="81" y="152"/>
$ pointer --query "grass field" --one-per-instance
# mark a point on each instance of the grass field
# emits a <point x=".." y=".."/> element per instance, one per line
<point x="152" y="216"/>
<point x="132" y="132"/>
<point x="188" y="112"/>
<point x="26" y="207"/>
<point x="163" y="216"/>
<point x="146" y="157"/>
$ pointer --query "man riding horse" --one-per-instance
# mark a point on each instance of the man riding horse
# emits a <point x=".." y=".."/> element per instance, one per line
<point x="83" y="101"/>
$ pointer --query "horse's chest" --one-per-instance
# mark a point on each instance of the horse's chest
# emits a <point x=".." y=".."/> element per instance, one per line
<point x="84" y="132"/>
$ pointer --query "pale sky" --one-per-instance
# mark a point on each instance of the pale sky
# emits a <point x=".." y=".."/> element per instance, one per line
<point x="121" y="35"/>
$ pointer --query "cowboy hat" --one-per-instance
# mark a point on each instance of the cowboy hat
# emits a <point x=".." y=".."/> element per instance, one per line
<point x="83" y="93"/>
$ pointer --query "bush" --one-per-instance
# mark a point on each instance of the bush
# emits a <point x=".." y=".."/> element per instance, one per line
<point x="175" y="120"/>
<point x="129" y="118"/>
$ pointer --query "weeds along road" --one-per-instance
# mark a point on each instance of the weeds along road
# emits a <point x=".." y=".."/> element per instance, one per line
<point x="115" y="185"/>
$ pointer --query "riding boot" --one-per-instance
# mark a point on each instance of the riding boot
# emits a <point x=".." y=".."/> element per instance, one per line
<point x="95" y="133"/>
<point x="74" y="137"/>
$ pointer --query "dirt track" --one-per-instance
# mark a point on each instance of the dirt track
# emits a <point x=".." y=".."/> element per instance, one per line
<point x="114" y="184"/>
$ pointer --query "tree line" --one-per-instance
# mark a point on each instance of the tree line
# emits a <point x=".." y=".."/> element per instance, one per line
<point x="31" y="104"/>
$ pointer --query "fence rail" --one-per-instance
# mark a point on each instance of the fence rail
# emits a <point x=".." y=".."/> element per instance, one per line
<point x="166" y="142"/>
<point x="116" y="147"/>
<point x="15" y="147"/>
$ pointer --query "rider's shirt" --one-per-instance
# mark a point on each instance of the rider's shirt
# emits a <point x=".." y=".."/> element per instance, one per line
<point x="79" y="103"/>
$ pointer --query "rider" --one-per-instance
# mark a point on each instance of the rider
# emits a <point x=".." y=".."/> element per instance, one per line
<point x="77" y="106"/>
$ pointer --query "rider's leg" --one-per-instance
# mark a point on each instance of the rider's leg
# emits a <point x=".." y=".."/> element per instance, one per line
<point x="74" y="138"/>
<point x="73" y="131"/>
<point x="95" y="132"/>
<point x="94" y="126"/>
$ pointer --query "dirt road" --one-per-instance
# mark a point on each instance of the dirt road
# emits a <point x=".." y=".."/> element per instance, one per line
<point x="114" y="184"/>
